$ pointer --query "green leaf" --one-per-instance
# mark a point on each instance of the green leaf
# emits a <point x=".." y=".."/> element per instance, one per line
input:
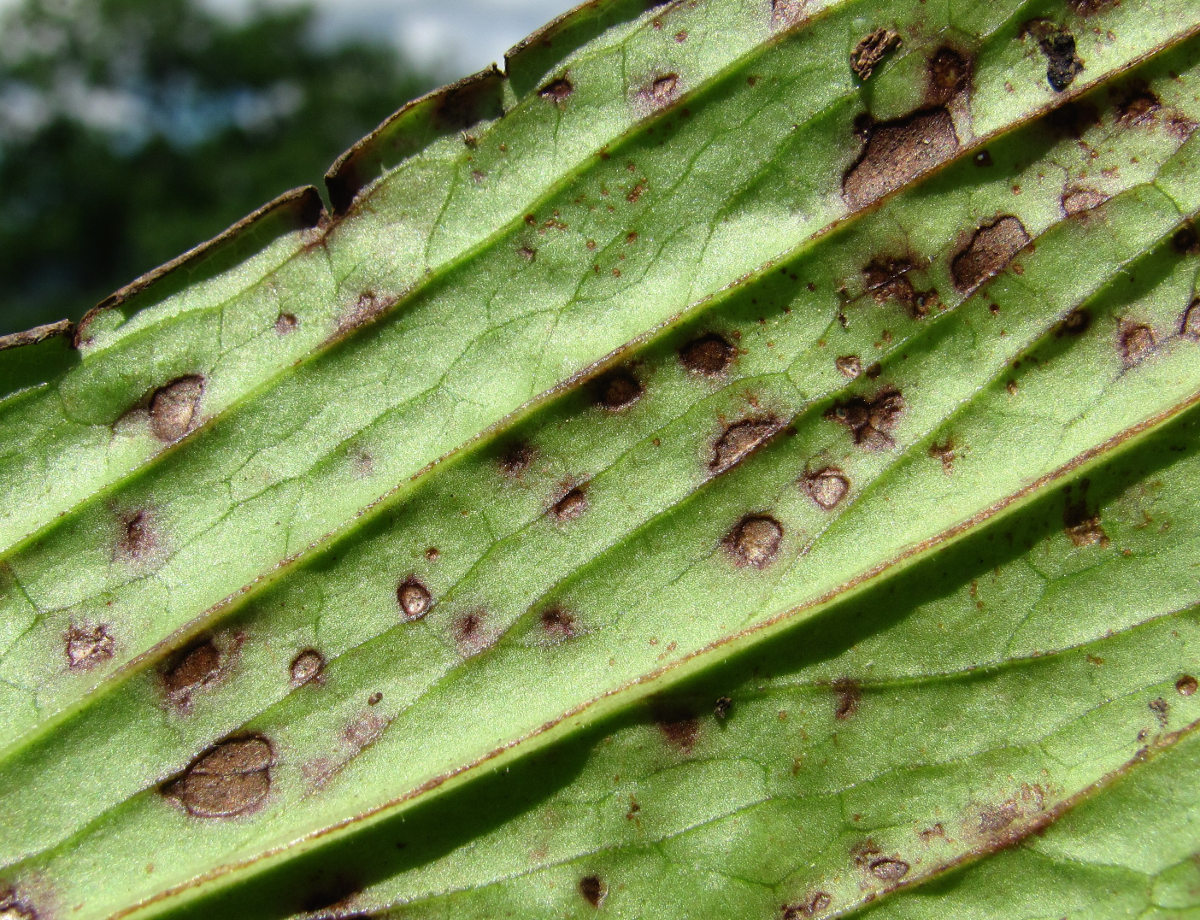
<point x="784" y="471"/>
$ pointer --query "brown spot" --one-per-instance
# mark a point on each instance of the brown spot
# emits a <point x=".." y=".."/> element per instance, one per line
<point x="593" y="890"/>
<point x="528" y="253"/>
<point x="659" y="92"/>
<point x="1136" y="104"/>
<point x="1136" y="342"/>
<point x="679" y="727"/>
<point x="230" y="778"/>
<point x="811" y="906"/>
<point x="557" y="91"/>
<point x="887" y="280"/>
<point x="754" y="541"/>
<point x="1080" y="524"/>
<point x="991" y="248"/>
<point x="739" y="440"/>
<point x="516" y="459"/>
<point x="1077" y="200"/>
<point x="996" y="818"/>
<point x="368" y="306"/>
<point x="1189" y="326"/>
<point x="848" y="365"/>
<point x="826" y="487"/>
<point x="895" y="152"/>
<point x="848" y="696"/>
<point x="570" y="506"/>
<point x="1186" y="685"/>
<point x="785" y="13"/>
<point x="173" y="407"/>
<point x="1058" y="46"/>
<point x="1161" y="709"/>
<point x="363" y="731"/>
<point x="285" y="323"/>
<point x="871" y="50"/>
<point x="375" y="699"/>
<point x="634" y="195"/>
<point x="308" y="667"/>
<point x="617" y="390"/>
<point x="189" y="670"/>
<point x="710" y="355"/>
<point x="558" y="624"/>
<point x="470" y="632"/>
<point x="432" y="554"/>
<point x="722" y="707"/>
<point x="1186" y="242"/>
<point x="949" y="75"/>
<point x="871" y="420"/>
<point x="414" y="599"/>
<point x="87" y="646"/>
<point x="14" y="907"/>
<point x="888" y="869"/>
<point x="945" y="453"/>
<point x="1077" y="322"/>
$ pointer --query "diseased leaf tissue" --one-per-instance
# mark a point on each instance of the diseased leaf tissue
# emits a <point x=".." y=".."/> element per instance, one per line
<point x="740" y="460"/>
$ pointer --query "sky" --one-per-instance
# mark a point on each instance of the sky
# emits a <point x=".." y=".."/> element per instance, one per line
<point x="455" y="37"/>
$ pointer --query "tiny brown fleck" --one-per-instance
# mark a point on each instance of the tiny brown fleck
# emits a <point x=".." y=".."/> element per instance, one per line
<point x="848" y="695"/>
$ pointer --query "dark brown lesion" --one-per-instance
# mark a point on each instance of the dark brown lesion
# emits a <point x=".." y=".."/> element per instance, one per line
<point x="88" y="646"/>
<point x="897" y="151"/>
<point x="988" y="252"/>
<point x="709" y="355"/>
<point x="870" y="419"/>
<point x="231" y="778"/>
<point x="740" y="439"/>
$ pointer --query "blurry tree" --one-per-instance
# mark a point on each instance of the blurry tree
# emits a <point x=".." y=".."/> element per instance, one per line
<point x="130" y="130"/>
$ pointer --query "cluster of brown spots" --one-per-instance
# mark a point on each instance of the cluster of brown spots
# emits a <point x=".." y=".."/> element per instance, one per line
<point x="14" y="907"/>
<point x="1161" y="709"/>
<point x="570" y="505"/>
<point x="1077" y="322"/>
<point x="996" y="821"/>
<point x="710" y="355"/>
<point x="557" y="91"/>
<point x="871" y="420"/>
<point x="1058" y="46"/>
<point x="618" y="390"/>
<point x="949" y="75"/>
<point x="826" y="487"/>
<point x="989" y="250"/>
<point x="173" y="407"/>
<point x="1135" y="104"/>
<point x="848" y="695"/>
<point x="308" y="667"/>
<point x="558" y="624"/>
<point x="1186" y="241"/>
<point x="739" y="440"/>
<point x="231" y="778"/>
<point x="722" y="707"/>
<point x="516" y="459"/>
<point x="1135" y="341"/>
<point x="87" y="647"/>
<point x="867" y="855"/>
<point x="527" y="253"/>
<point x="679" y="727"/>
<point x="658" y="92"/>
<point x="286" y="323"/>
<point x="189" y="670"/>
<point x="1186" y="685"/>
<point x="414" y="599"/>
<point x="593" y="890"/>
<point x="812" y="905"/>
<point x="894" y="152"/>
<point x="1082" y="525"/>
<point x="871" y="50"/>
<point x="1079" y="199"/>
<point x="848" y="365"/>
<point x="945" y="453"/>
<point x="368" y="306"/>
<point x="754" y="541"/>
<point x="887" y="280"/>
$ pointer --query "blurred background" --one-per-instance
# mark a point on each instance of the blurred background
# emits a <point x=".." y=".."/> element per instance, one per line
<point x="130" y="130"/>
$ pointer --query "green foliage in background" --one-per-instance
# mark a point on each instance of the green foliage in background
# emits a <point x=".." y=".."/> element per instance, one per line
<point x="131" y="130"/>
<point x="740" y="461"/>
